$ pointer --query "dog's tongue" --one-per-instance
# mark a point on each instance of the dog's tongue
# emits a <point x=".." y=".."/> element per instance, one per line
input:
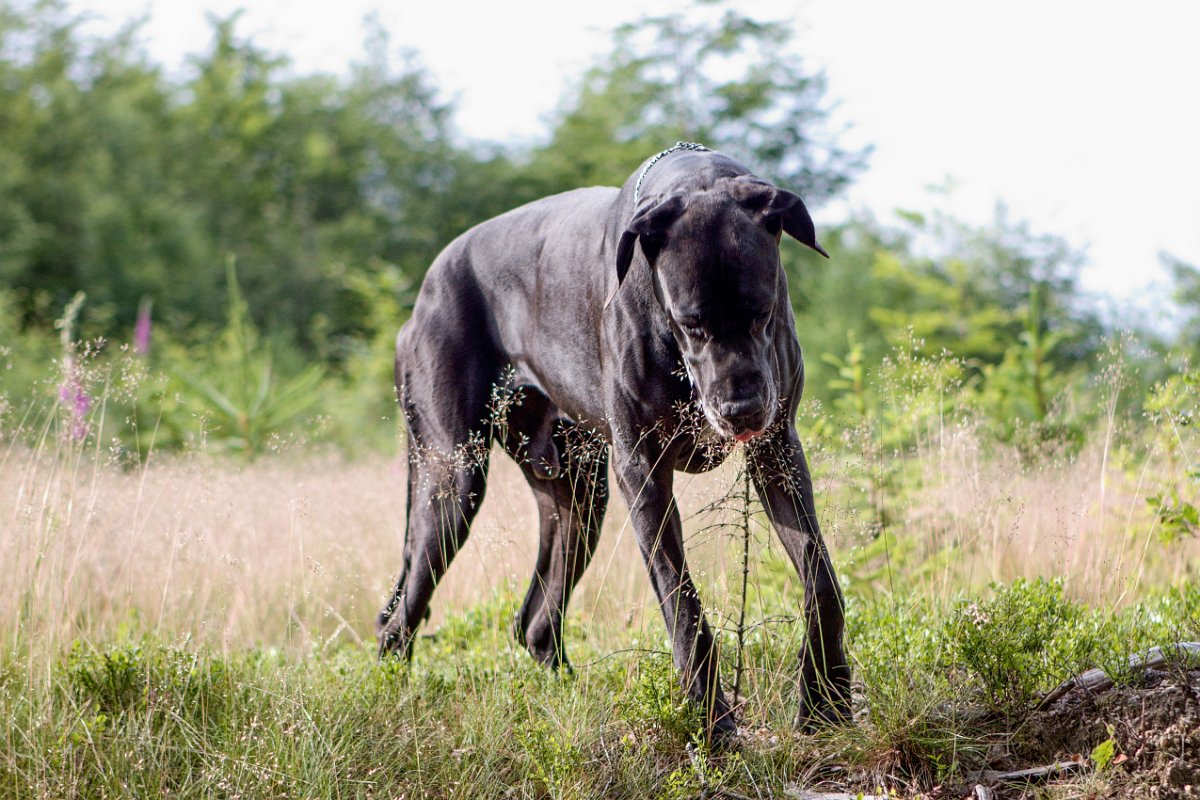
<point x="746" y="436"/>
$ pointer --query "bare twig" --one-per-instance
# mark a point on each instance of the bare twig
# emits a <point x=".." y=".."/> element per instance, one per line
<point x="741" y="624"/>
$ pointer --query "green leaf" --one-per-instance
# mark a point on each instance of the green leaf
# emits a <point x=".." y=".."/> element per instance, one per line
<point x="1103" y="754"/>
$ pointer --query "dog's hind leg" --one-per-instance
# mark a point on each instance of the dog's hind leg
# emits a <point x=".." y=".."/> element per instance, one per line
<point x="443" y="502"/>
<point x="571" y="509"/>
<point x="448" y="446"/>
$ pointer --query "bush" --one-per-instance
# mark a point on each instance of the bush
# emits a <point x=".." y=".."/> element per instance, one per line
<point x="1027" y="638"/>
<point x="114" y="680"/>
<point x="657" y="702"/>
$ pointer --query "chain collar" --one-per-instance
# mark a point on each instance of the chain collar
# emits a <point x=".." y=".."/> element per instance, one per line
<point x="637" y="189"/>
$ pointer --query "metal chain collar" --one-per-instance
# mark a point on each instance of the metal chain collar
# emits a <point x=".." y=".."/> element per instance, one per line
<point x="637" y="189"/>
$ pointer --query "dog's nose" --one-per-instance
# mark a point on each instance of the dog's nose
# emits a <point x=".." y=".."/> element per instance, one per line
<point x="733" y="410"/>
<point x="746" y="417"/>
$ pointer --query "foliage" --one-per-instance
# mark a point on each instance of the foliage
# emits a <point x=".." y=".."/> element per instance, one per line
<point x="124" y="182"/>
<point x="113" y="680"/>
<point x="913" y="726"/>
<point x="1177" y="515"/>
<point x="1171" y="405"/>
<point x="1186" y="295"/>
<point x="1023" y="395"/>
<point x="657" y="702"/>
<point x="1102" y="754"/>
<point x="1027" y="638"/>
<point x="713" y="75"/>
<point x="243" y="403"/>
<point x="135" y="716"/>
<point x="1000" y="299"/>
<point x="333" y="194"/>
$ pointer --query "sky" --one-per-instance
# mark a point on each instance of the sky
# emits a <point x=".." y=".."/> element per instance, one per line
<point x="1080" y="115"/>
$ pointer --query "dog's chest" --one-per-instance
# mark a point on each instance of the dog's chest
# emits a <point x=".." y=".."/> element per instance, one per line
<point x="701" y="447"/>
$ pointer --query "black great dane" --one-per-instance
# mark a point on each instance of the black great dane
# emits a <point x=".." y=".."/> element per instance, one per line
<point x="653" y="320"/>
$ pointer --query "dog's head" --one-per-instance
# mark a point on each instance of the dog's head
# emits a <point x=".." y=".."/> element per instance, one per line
<point x="714" y="255"/>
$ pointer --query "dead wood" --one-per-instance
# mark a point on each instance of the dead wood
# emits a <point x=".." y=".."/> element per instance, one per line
<point x="1097" y="680"/>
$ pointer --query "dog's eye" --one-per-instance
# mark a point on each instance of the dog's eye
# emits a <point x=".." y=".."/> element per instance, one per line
<point x="693" y="328"/>
<point x="760" y="320"/>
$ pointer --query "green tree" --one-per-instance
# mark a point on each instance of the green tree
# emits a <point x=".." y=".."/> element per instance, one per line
<point x="1186" y="296"/>
<point x="120" y="181"/>
<point x="84" y="202"/>
<point x="1002" y="299"/>
<point x="710" y="74"/>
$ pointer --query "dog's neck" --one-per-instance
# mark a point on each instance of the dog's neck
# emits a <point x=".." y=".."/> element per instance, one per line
<point x="637" y="188"/>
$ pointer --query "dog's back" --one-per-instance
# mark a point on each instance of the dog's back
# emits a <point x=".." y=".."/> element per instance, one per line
<point x="521" y="282"/>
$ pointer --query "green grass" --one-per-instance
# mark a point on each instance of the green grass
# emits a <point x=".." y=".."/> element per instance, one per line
<point x="474" y="717"/>
<point x="179" y="625"/>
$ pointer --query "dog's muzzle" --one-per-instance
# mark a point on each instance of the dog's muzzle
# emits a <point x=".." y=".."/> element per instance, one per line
<point x="740" y="420"/>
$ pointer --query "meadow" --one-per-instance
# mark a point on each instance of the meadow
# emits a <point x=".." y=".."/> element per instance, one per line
<point x="193" y="624"/>
<point x="202" y="272"/>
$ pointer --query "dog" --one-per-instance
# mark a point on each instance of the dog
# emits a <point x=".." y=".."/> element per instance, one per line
<point x="648" y="324"/>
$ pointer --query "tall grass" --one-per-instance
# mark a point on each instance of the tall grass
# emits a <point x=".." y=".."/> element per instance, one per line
<point x="185" y="624"/>
<point x="296" y="549"/>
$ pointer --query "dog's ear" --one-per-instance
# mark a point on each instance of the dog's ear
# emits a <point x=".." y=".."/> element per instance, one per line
<point x="649" y="225"/>
<point x="776" y="208"/>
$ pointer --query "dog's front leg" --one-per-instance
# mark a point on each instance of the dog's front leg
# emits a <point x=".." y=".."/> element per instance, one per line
<point x="781" y="476"/>
<point x="645" y="478"/>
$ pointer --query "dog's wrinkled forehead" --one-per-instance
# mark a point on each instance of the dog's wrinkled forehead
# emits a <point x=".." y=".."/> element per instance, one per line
<point x="718" y="252"/>
<point x="696" y="221"/>
<point x="714" y="219"/>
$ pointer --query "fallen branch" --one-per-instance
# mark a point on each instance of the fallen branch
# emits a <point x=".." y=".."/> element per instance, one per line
<point x="1030" y="775"/>
<point x="1097" y="680"/>
<point x="805" y="794"/>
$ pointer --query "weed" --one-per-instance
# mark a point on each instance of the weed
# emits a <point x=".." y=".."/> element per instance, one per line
<point x="114" y="679"/>
<point x="655" y="701"/>
<point x="1027" y="638"/>
<point x="553" y="757"/>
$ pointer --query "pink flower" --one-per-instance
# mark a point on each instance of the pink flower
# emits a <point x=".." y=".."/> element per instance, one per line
<point x="141" y="330"/>
<point x="72" y="395"/>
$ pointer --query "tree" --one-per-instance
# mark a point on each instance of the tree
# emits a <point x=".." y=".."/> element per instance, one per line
<point x="119" y="181"/>
<point x="986" y="294"/>
<point x="1186" y="295"/>
<point x="84" y="204"/>
<point x="711" y="75"/>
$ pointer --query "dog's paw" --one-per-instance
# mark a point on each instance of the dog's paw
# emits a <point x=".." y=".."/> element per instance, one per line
<point x="724" y="732"/>
<point x="825" y="699"/>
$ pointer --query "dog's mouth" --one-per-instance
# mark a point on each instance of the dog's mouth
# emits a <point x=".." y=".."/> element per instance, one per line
<point x="740" y="430"/>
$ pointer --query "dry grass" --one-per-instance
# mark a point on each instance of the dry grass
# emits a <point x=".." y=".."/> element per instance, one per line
<point x="270" y="574"/>
<point x="288" y="552"/>
<point x="1082" y="517"/>
<point x="297" y="552"/>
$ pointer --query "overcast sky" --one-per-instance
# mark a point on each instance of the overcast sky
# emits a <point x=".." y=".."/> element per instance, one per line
<point x="1081" y="115"/>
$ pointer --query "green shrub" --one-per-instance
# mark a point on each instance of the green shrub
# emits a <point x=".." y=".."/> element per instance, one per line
<point x="553" y="756"/>
<point x="113" y="679"/>
<point x="1027" y="638"/>
<point x="238" y="388"/>
<point x="656" y="700"/>
<point x="1171" y="405"/>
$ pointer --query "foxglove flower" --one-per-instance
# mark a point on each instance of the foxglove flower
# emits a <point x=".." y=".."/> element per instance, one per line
<point x="141" y="330"/>
<point x="73" y="395"/>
